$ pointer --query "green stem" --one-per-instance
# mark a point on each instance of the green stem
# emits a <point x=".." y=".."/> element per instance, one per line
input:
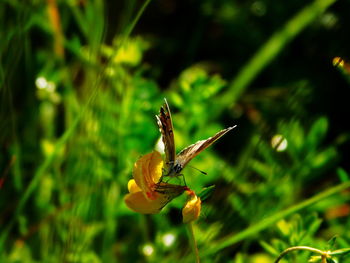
<point x="311" y="249"/>
<point x="37" y="177"/>
<point x="62" y="141"/>
<point x="193" y="241"/>
<point x="124" y="38"/>
<point x="135" y="20"/>
<point x="271" y="49"/>
<point x="233" y="239"/>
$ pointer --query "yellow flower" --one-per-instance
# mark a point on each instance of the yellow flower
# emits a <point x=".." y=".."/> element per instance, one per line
<point x="192" y="209"/>
<point x="146" y="194"/>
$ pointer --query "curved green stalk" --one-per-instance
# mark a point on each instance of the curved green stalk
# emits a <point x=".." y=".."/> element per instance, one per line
<point x="193" y="241"/>
<point x="135" y="20"/>
<point x="61" y="142"/>
<point x="271" y="49"/>
<point x="233" y="239"/>
<point x="311" y="249"/>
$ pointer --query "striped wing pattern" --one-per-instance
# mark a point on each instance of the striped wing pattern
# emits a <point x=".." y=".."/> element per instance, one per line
<point x="175" y="164"/>
<point x="187" y="154"/>
<point x="166" y="129"/>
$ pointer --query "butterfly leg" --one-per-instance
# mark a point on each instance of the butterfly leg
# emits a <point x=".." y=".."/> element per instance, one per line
<point x="169" y="178"/>
<point x="183" y="178"/>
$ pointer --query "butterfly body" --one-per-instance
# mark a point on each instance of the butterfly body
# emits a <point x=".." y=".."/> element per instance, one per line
<point x="174" y="170"/>
<point x="174" y="164"/>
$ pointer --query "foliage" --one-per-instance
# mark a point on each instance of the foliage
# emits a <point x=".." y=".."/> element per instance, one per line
<point x="81" y="81"/>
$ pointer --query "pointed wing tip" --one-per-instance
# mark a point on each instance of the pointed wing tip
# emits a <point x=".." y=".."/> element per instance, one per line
<point x="165" y="106"/>
<point x="166" y="103"/>
<point x="232" y="127"/>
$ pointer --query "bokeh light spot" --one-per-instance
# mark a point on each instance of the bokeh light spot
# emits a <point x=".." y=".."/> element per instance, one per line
<point x="168" y="239"/>
<point x="279" y="143"/>
<point x="41" y="83"/>
<point x="147" y="250"/>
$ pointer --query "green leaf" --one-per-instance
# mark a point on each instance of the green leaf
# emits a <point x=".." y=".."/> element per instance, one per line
<point x="317" y="133"/>
<point x="330" y="260"/>
<point x="342" y="252"/>
<point x="206" y="192"/>
<point x="314" y="224"/>
<point x="324" y="158"/>
<point x="343" y="175"/>
<point x="331" y="242"/>
<point x="270" y="249"/>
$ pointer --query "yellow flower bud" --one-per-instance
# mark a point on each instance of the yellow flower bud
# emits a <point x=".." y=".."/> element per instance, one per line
<point x="192" y="209"/>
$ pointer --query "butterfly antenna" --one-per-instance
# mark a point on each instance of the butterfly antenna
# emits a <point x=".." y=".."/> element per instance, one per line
<point x="202" y="172"/>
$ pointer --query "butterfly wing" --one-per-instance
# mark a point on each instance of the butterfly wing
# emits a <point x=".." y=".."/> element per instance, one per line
<point x="166" y="129"/>
<point x="193" y="150"/>
<point x="168" y="192"/>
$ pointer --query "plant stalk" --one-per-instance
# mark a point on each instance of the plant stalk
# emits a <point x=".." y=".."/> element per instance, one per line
<point x="267" y="222"/>
<point x="193" y="241"/>
<point x="311" y="249"/>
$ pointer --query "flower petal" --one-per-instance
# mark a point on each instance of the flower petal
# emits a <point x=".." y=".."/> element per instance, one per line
<point x="133" y="187"/>
<point x="147" y="172"/>
<point x="156" y="166"/>
<point x="140" y="204"/>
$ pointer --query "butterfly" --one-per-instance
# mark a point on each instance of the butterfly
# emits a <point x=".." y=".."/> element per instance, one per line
<point x="174" y="164"/>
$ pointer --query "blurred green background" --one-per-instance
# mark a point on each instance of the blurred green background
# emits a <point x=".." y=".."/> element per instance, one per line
<point x="81" y="82"/>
